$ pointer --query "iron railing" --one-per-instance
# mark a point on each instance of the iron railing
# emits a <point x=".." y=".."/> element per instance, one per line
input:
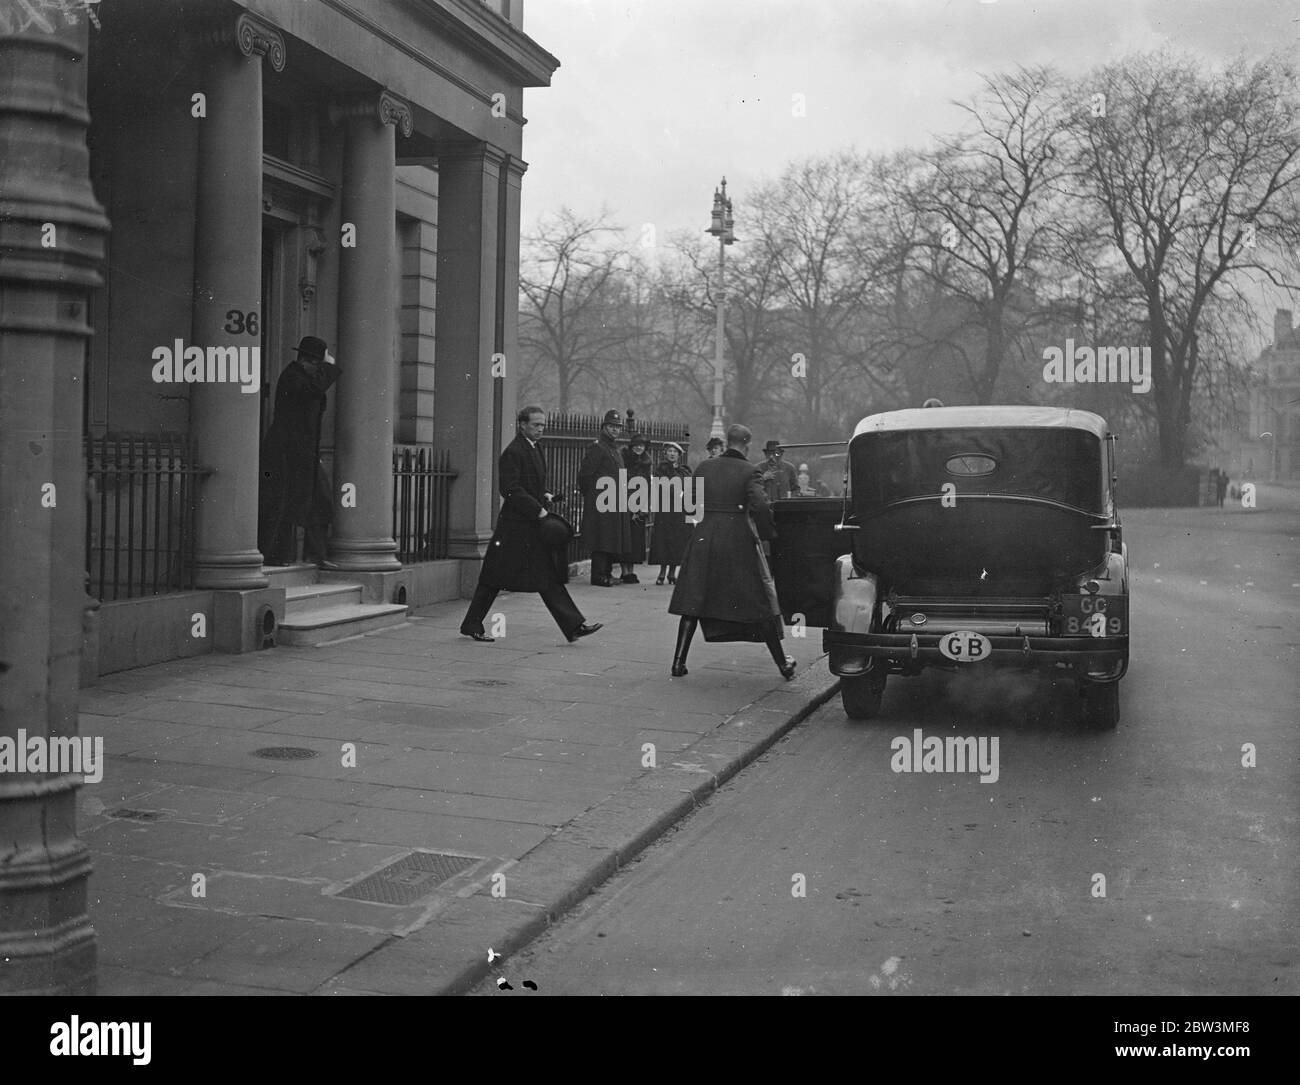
<point x="564" y="443"/>
<point x="141" y="496"/>
<point x="422" y="480"/>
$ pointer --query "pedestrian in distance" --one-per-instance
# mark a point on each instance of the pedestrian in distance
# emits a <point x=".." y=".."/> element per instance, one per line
<point x="671" y="528"/>
<point x="715" y="446"/>
<point x="638" y="464"/>
<point x="294" y="491"/>
<point x="725" y="584"/>
<point x="1221" y="486"/>
<point x="610" y="531"/>
<point x="528" y="551"/>
<point x="778" y="476"/>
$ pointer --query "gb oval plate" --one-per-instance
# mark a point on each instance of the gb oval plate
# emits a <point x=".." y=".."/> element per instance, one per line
<point x="965" y="646"/>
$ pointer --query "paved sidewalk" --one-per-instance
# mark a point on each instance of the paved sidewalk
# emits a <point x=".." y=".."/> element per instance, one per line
<point x="520" y="761"/>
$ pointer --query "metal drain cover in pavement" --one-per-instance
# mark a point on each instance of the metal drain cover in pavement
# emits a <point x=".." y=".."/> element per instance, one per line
<point x="285" y="753"/>
<point x="135" y="815"/>
<point x="408" y="878"/>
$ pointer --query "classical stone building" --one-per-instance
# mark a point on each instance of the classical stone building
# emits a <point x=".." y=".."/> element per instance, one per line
<point x="1274" y="410"/>
<point x="274" y="169"/>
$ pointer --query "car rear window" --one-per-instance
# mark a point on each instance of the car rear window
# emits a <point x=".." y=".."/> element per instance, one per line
<point x="1056" y="464"/>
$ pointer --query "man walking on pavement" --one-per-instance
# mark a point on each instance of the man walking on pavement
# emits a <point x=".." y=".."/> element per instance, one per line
<point x="610" y="532"/>
<point x="527" y="553"/>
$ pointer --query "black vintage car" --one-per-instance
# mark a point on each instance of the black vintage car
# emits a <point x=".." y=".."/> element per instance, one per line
<point x="963" y="537"/>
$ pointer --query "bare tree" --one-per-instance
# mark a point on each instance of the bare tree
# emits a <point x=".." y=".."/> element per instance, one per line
<point x="1193" y="177"/>
<point x="987" y="197"/>
<point x="570" y="281"/>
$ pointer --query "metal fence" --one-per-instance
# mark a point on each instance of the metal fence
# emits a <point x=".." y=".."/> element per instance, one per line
<point x="141" y="495"/>
<point x="565" y="442"/>
<point x="422" y="480"/>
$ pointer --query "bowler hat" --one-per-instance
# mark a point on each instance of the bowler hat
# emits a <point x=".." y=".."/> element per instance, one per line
<point x="556" y="531"/>
<point x="311" y="347"/>
<point x="772" y="446"/>
<point x="612" y="418"/>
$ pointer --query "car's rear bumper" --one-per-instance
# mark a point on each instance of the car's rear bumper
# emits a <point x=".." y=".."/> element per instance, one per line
<point x="852" y="653"/>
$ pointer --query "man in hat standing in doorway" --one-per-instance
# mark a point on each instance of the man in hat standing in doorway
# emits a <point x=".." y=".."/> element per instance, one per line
<point x="294" y="491"/>
<point x="610" y="532"/>
<point x="527" y="551"/>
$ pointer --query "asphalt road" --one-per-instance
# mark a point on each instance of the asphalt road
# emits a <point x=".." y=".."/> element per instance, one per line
<point x="928" y="883"/>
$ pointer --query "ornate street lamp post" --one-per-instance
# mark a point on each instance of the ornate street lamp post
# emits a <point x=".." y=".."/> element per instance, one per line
<point x="721" y="228"/>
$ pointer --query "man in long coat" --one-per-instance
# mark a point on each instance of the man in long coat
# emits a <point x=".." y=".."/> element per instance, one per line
<point x="294" y="492"/>
<point x="610" y="532"/>
<point x="519" y="557"/>
<point x="725" y="583"/>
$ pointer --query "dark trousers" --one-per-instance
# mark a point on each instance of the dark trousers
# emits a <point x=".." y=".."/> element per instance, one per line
<point x="601" y="564"/>
<point x="555" y="595"/>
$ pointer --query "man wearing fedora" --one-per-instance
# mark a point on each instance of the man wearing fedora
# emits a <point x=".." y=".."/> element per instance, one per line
<point x="294" y="491"/>
<point x="778" y="476"/>
<point x="528" y="548"/>
<point x="610" y="532"/>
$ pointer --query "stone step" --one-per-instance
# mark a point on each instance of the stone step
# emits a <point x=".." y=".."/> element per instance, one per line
<point x="333" y="623"/>
<point x="302" y="599"/>
<point x="285" y="576"/>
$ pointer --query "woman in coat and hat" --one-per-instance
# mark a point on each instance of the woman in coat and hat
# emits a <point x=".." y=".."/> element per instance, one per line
<point x="638" y="464"/>
<point x="294" y="492"/>
<point x="671" y="531"/>
<point x="725" y="584"/>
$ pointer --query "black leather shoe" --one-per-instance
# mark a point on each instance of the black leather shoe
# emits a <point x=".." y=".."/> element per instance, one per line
<point x="585" y="630"/>
<point x="787" y="672"/>
<point x="601" y="582"/>
<point x="679" y="670"/>
<point x="629" y="578"/>
<point x="478" y="636"/>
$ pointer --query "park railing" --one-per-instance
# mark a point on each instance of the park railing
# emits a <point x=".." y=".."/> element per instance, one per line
<point x="422" y="478"/>
<point x="565" y="442"/>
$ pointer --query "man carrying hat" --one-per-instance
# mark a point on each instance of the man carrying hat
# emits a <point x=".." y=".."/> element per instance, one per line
<point x="294" y="492"/>
<point x="610" y="532"/>
<point x="778" y="477"/>
<point x="528" y="548"/>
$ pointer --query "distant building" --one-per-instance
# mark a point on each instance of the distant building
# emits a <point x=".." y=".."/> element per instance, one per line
<point x="1269" y="448"/>
<point x="281" y="168"/>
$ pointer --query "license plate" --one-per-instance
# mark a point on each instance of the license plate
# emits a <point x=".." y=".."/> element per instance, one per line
<point x="965" y="646"/>
<point x="1094" y="615"/>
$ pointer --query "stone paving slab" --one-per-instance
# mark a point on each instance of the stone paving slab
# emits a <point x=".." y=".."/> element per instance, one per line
<point x="527" y="755"/>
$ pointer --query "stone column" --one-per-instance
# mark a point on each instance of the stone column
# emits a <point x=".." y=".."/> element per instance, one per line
<point x="508" y="224"/>
<point x="51" y="245"/>
<point x="362" y="538"/>
<point x="469" y="215"/>
<point x="227" y="298"/>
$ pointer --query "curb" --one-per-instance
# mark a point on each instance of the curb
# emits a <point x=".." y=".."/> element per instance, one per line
<point x="592" y="847"/>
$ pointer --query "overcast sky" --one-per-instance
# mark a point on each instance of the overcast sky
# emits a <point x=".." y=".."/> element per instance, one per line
<point x="657" y="99"/>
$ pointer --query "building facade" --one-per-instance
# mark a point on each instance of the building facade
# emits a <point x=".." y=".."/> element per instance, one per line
<point x="1270" y="447"/>
<point x="274" y="169"/>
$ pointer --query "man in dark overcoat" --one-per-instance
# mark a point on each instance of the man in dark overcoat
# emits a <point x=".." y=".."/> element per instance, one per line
<point x="294" y="492"/>
<point x="519" y="557"/>
<point x="610" y="532"/>
<point x="725" y="583"/>
<point x="779" y="479"/>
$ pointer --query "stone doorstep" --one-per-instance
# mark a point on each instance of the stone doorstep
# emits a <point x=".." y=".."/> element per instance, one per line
<point x="336" y="622"/>
<point x="305" y="599"/>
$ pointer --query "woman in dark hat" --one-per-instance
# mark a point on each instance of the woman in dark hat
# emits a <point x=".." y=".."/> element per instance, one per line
<point x="725" y="583"/>
<point x="715" y="447"/>
<point x="636" y="459"/>
<point x="294" y="492"/>
<point x="671" y="531"/>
